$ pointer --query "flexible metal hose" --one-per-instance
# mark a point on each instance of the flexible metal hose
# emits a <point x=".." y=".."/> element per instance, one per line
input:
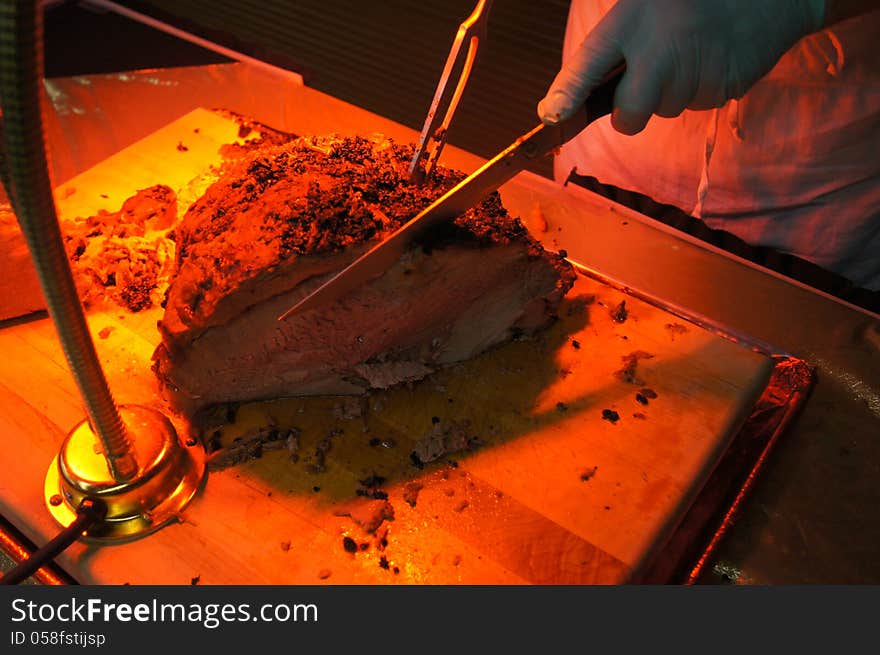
<point x="26" y="176"/>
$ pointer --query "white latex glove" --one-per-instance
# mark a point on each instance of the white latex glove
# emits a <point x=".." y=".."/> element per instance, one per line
<point x="680" y="54"/>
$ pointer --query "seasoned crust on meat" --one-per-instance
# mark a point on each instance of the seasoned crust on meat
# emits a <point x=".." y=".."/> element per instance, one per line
<point x="286" y="218"/>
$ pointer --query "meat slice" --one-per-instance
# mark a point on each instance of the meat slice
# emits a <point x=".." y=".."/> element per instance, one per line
<point x="281" y="222"/>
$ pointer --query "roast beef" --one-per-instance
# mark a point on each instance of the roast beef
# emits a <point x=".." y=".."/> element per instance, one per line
<point x="282" y="221"/>
<point x="123" y="256"/>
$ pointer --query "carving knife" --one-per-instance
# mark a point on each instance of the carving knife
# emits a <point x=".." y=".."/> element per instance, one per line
<point x="529" y="147"/>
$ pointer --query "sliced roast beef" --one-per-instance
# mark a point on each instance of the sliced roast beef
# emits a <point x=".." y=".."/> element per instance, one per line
<point x="284" y="220"/>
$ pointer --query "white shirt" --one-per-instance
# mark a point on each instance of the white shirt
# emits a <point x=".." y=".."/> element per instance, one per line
<point x="793" y="165"/>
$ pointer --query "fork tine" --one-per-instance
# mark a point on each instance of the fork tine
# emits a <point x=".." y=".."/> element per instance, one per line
<point x="471" y="32"/>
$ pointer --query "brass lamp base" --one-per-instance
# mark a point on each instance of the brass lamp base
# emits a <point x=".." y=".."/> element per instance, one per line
<point x="169" y="475"/>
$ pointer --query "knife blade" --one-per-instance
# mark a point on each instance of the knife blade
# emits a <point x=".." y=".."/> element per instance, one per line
<point x="536" y="143"/>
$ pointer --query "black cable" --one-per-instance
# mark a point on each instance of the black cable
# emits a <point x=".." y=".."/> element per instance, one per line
<point x="89" y="512"/>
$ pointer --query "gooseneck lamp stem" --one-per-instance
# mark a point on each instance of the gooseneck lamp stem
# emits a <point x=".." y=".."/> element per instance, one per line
<point x="26" y="177"/>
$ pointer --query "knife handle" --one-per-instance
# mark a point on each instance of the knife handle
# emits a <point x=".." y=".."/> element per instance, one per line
<point x="600" y="102"/>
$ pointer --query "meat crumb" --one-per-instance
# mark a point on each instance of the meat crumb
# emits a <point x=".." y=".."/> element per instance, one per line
<point x="383" y="563"/>
<point x="195" y="580"/>
<point x="610" y="415"/>
<point x="639" y="415"/>
<point x="285" y="546"/>
<point x="231" y="412"/>
<point x="250" y="445"/>
<point x="382" y="538"/>
<point x="213" y="443"/>
<point x="443" y="439"/>
<point x="181" y="147"/>
<point x="368" y="514"/>
<point x="291" y="443"/>
<point x="461" y="506"/>
<point x="648" y="393"/>
<point x="242" y="449"/>
<point x="372" y="481"/>
<point x="619" y="314"/>
<point x="411" y="492"/>
<point x="640" y="398"/>
<point x="575" y="344"/>
<point x="588" y="474"/>
<point x="369" y="488"/>
<point x="105" y="332"/>
<point x="675" y="329"/>
<point x="349" y="409"/>
<point x="630" y="364"/>
<point x="319" y="461"/>
<point x="349" y="545"/>
<point x="324" y="573"/>
<point x="562" y="407"/>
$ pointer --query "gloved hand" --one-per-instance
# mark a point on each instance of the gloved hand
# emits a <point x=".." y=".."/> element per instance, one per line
<point x="680" y="54"/>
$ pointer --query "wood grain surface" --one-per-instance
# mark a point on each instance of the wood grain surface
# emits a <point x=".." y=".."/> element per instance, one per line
<point x="552" y="492"/>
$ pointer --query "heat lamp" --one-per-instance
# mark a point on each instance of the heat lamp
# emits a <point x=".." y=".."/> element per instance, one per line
<point x="130" y="457"/>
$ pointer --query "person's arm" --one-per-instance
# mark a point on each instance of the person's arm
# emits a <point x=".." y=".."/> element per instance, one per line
<point x="686" y="54"/>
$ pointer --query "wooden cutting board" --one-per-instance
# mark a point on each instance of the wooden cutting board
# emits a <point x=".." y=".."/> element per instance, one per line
<point x="552" y="491"/>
